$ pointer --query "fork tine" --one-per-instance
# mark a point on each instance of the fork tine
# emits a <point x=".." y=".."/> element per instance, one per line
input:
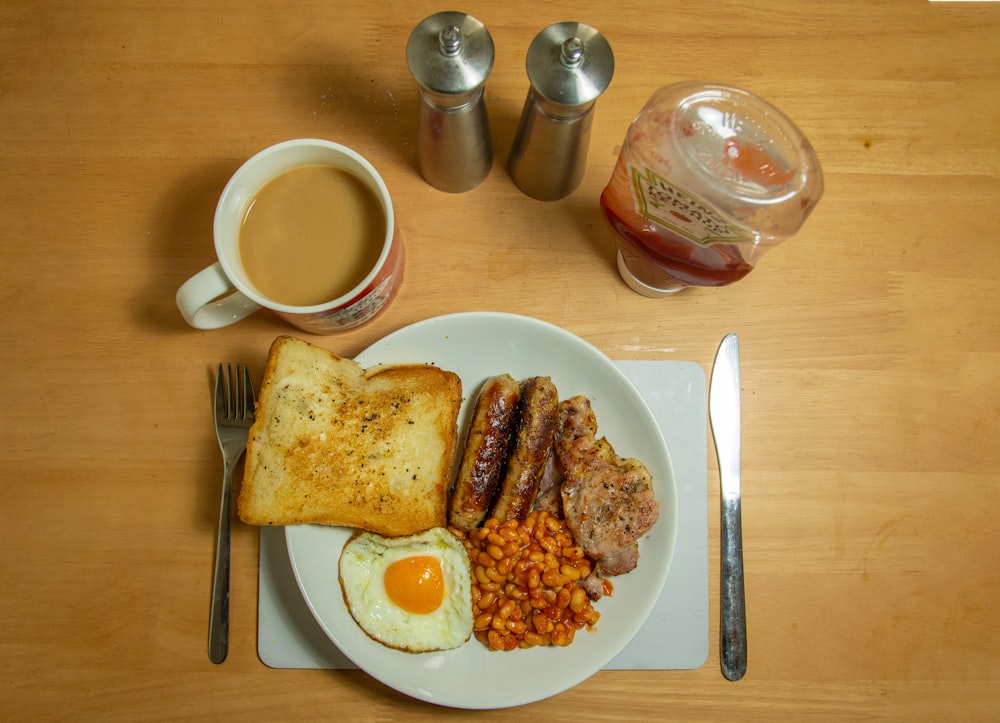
<point x="238" y="387"/>
<point x="233" y="382"/>
<point x="220" y="394"/>
<point x="248" y="397"/>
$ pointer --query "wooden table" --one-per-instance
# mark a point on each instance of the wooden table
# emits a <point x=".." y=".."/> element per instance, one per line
<point x="870" y="343"/>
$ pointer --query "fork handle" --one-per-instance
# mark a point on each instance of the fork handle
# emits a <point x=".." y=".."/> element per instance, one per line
<point x="218" y="625"/>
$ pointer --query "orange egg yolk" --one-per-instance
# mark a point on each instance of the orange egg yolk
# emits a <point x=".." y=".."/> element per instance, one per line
<point x="415" y="583"/>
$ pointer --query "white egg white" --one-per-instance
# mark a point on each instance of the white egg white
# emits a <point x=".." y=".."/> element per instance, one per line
<point x="362" y="568"/>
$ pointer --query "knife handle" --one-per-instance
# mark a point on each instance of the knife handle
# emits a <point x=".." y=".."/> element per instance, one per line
<point x="734" y="614"/>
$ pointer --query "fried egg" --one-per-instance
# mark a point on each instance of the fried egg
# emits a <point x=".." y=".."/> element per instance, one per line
<point x="411" y="593"/>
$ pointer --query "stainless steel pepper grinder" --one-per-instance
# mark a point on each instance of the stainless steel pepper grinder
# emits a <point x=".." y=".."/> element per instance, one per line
<point x="569" y="65"/>
<point x="450" y="55"/>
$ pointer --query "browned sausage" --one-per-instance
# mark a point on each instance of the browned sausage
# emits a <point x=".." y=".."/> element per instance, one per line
<point x="493" y="421"/>
<point x="536" y="429"/>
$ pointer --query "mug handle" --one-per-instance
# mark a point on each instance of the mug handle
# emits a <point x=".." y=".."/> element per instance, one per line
<point x="200" y="305"/>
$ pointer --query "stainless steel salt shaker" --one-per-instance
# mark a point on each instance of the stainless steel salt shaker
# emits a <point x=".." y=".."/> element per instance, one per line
<point x="569" y="66"/>
<point x="450" y="55"/>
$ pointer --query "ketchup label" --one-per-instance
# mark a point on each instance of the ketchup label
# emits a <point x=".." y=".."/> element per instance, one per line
<point x="684" y="214"/>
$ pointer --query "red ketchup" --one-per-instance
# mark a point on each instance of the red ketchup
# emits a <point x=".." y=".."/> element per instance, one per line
<point x="708" y="179"/>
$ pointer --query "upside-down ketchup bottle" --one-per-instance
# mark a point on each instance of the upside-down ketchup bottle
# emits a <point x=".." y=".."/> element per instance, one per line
<point x="708" y="179"/>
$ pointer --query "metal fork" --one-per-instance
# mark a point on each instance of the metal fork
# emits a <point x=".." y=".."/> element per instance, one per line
<point x="234" y="413"/>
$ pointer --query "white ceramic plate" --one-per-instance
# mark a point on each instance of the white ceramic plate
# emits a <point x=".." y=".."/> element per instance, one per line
<point x="477" y="345"/>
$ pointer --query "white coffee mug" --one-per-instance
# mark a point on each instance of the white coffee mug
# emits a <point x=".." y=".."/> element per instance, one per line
<point x="222" y="294"/>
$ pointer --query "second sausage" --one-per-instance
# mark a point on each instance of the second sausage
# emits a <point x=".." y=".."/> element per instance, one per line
<point x="536" y="429"/>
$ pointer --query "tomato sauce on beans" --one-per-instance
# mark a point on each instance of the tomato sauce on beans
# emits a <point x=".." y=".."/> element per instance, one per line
<point x="525" y="577"/>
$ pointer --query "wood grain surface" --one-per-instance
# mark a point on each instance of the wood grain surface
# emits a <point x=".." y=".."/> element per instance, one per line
<point x="870" y="343"/>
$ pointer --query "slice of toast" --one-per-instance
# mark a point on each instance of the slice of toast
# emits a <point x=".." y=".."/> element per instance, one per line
<point x="336" y="444"/>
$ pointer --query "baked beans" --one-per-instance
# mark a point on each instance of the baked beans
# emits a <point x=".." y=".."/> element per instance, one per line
<point x="524" y="582"/>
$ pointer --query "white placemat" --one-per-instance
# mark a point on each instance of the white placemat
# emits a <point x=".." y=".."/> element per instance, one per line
<point x="674" y="637"/>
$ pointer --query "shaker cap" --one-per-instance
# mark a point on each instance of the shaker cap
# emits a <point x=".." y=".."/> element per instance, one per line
<point x="570" y="63"/>
<point x="450" y="53"/>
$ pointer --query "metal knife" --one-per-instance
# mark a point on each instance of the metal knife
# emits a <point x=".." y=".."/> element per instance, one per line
<point x="724" y="412"/>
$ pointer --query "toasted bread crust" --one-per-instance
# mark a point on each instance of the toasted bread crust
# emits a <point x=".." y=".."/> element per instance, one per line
<point x="336" y="444"/>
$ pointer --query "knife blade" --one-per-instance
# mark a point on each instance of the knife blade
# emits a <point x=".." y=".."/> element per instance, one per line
<point x="724" y="412"/>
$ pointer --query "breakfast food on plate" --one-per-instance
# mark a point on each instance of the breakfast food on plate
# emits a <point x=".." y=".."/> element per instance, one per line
<point x="538" y="418"/>
<point x="541" y="512"/>
<point x="526" y="576"/>
<point x="568" y="514"/>
<point x="336" y="444"/>
<point x="412" y="593"/>
<point x="549" y="497"/>
<point x="490" y="427"/>
<point x="608" y="501"/>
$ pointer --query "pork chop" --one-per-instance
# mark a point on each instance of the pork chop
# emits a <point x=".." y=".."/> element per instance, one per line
<point x="608" y="501"/>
